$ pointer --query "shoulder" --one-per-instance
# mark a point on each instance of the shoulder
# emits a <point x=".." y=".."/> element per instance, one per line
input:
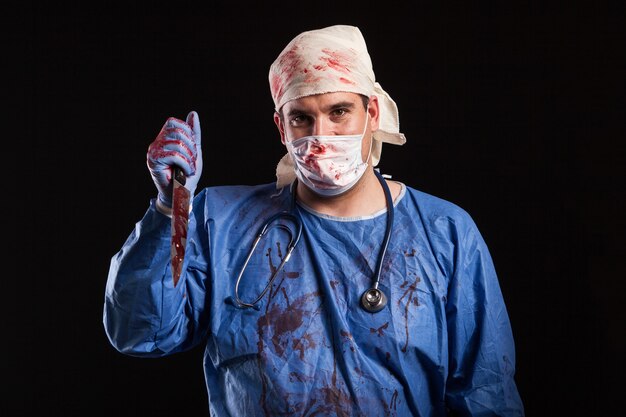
<point x="449" y="229"/>
<point x="224" y="199"/>
<point x="237" y="192"/>
<point x="440" y="217"/>
<point x="435" y="207"/>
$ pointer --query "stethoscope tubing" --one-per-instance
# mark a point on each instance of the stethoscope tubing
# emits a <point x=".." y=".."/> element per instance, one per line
<point x="388" y="229"/>
<point x="293" y="241"/>
<point x="380" y="299"/>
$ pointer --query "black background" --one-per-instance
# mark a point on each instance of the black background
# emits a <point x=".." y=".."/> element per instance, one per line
<point x="514" y="111"/>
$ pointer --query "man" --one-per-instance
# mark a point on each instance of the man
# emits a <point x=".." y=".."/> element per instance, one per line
<point x="389" y="304"/>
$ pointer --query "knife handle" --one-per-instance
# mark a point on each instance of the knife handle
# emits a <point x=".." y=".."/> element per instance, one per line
<point x="179" y="175"/>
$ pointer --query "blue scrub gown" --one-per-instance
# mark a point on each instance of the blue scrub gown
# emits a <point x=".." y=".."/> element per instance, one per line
<point x="443" y="344"/>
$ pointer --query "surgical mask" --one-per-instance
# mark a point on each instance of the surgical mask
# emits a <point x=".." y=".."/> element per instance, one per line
<point x="329" y="165"/>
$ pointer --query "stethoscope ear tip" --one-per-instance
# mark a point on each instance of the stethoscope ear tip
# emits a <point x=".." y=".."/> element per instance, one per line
<point x="230" y="300"/>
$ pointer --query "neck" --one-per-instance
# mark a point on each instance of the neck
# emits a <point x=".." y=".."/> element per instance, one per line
<point x="365" y="198"/>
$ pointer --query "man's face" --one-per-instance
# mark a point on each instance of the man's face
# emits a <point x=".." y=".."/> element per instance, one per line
<point x="328" y="114"/>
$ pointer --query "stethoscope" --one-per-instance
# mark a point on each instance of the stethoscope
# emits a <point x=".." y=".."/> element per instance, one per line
<point x="373" y="299"/>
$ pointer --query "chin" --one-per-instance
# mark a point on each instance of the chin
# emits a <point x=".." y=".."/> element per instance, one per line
<point x="318" y="192"/>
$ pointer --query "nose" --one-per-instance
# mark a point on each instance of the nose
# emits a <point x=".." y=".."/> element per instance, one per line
<point x="321" y="127"/>
<point x="317" y="127"/>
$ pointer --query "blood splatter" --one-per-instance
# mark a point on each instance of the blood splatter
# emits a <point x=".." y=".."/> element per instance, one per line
<point x="311" y="162"/>
<point x="394" y="400"/>
<point x="304" y="343"/>
<point x="280" y="255"/>
<point x="180" y="214"/>
<point x="349" y="339"/>
<point x="336" y="402"/>
<point x="265" y="325"/>
<point x="273" y="267"/>
<point x="287" y="66"/>
<point x="411" y="299"/>
<point x="284" y="291"/>
<point x="317" y="149"/>
<point x="338" y="60"/>
<point x="380" y="330"/>
<point x="339" y="402"/>
<point x="300" y="377"/>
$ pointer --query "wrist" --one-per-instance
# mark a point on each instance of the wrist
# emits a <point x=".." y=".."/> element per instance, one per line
<point x="163" y="208"/>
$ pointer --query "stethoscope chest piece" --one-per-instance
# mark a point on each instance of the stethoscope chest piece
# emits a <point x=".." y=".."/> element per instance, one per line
<point x="373" y="300"/>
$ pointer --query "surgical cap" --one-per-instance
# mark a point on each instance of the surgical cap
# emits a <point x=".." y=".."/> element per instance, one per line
<point x="328" y="60"/>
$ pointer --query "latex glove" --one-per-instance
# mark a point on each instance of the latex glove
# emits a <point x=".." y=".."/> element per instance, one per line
<point x="178" y="143"/>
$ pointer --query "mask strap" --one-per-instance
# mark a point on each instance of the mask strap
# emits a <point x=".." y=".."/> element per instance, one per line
<point x="367" y="160"/>
<point x="369" y="153"/>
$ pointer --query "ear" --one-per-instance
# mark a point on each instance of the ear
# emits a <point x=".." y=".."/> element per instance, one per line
<point x="374" y="112"/>
<point x="281" y="128"/>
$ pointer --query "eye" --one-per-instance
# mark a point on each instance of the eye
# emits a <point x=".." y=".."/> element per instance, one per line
<point x="298" y="120"/>
<point x="339" y="112"/>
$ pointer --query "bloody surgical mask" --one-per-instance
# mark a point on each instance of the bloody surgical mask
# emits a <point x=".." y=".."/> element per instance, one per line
<point x="329" y="164"/>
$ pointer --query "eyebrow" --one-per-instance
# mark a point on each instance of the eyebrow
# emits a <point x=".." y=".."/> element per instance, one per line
<point x="334" y="106"/>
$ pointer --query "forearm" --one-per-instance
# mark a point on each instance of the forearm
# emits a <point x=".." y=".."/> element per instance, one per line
<point x="482" y="353"/>
<point x="143" y="312"/>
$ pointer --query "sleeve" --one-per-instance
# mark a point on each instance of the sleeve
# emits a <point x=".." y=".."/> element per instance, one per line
<point x="144" y="314"/>
<point x="481" y="348"/>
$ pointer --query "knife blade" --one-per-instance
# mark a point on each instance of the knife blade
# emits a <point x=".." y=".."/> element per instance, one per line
<point x="180" y="219"/>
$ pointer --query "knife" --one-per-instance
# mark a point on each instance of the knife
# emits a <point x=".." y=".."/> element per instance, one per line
<point x="180" y="219"/>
